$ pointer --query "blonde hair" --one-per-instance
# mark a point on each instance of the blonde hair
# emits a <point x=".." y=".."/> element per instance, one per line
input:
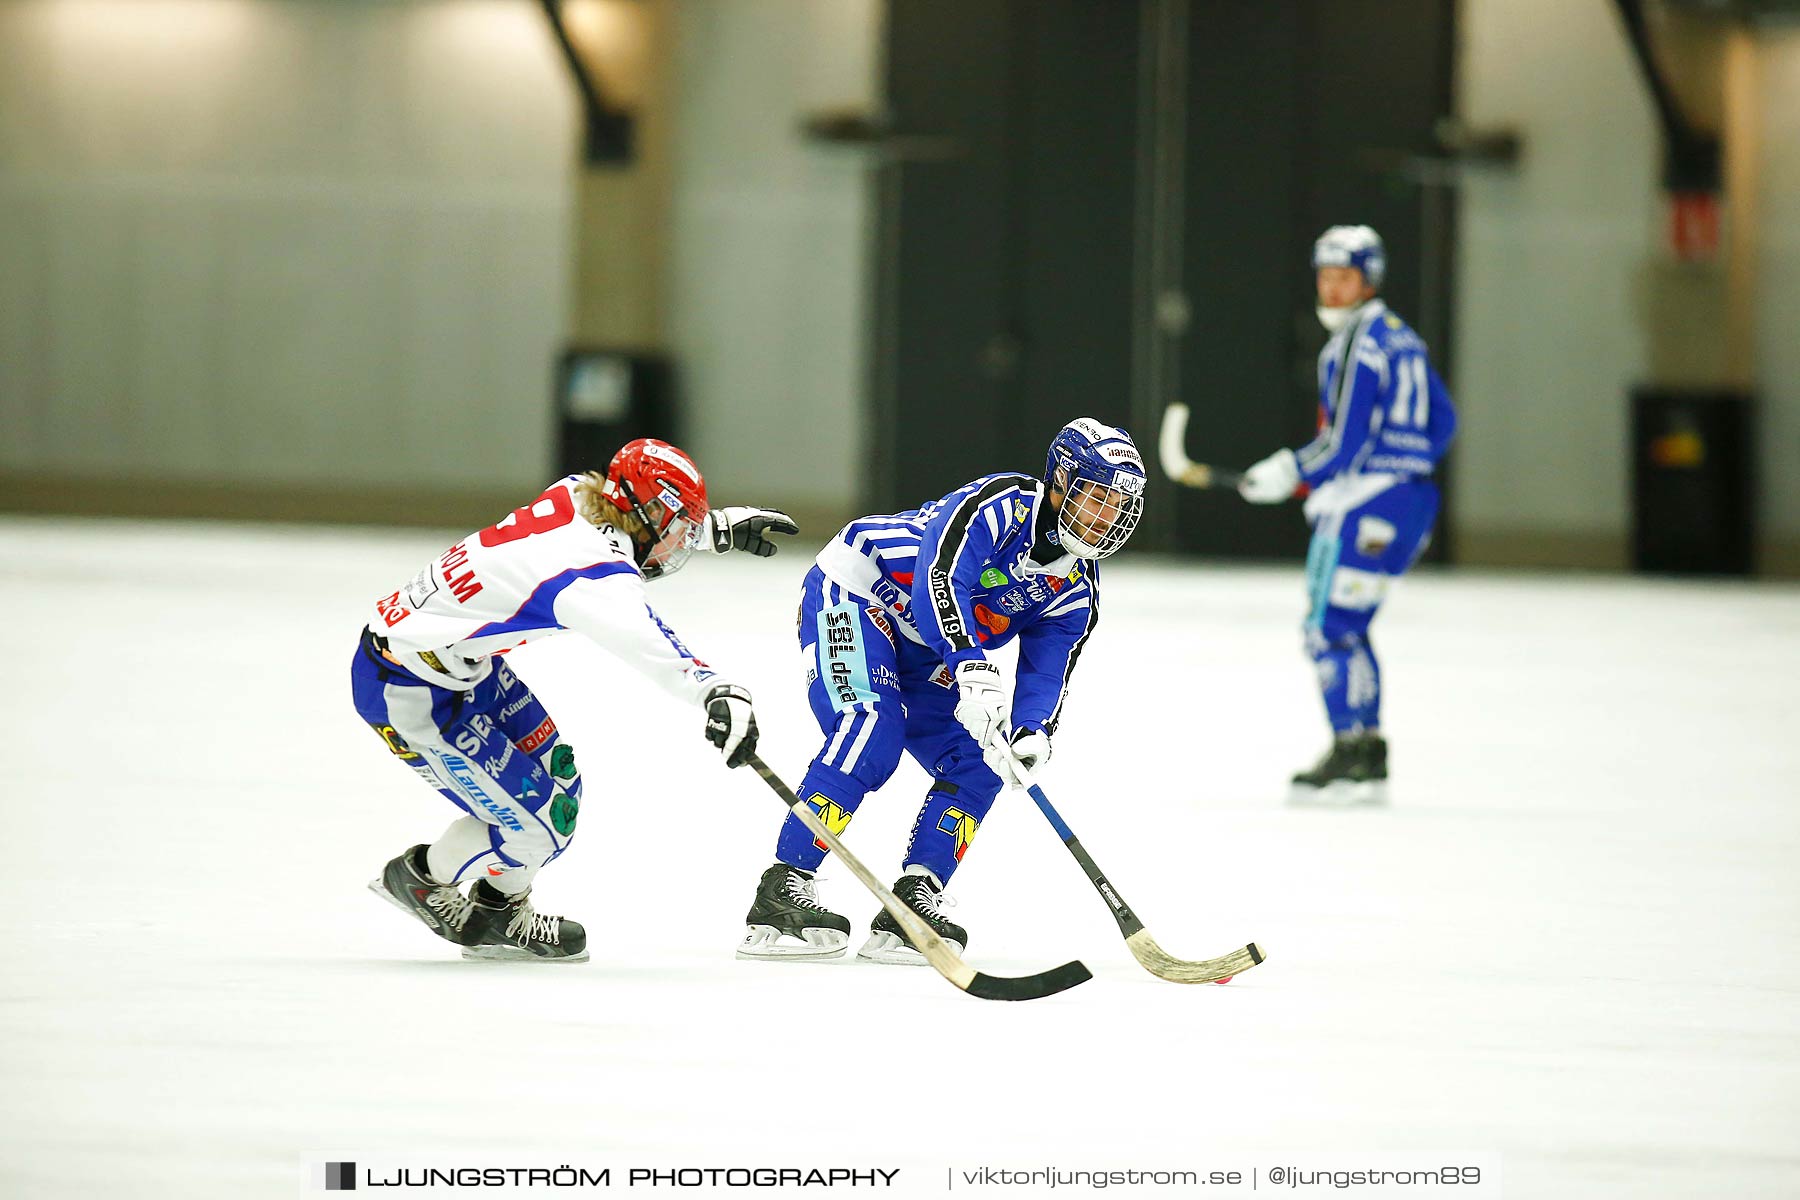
<point x="596" y="509"/>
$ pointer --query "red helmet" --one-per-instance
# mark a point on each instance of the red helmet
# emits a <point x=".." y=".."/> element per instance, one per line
<point x="662" y="487"/>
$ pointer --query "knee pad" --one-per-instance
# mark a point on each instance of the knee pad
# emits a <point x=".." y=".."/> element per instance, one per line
<point x="864" y="747"/>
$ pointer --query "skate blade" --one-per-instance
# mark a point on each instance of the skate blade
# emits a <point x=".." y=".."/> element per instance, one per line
<point x="515" y="954"/>
<point x="376" y="886"/>
<point x="894" y="950"/>
<point x="766" y="942"/>
<point x="1342" y="794"/>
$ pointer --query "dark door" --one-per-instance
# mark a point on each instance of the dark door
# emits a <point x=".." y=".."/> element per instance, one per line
<point x="1006" y="267"/>
<point x="1012" y="264"/>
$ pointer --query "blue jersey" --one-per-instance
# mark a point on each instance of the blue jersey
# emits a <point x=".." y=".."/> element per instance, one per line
<point x="1383" y="410"/>
<point x="959" y="576"/>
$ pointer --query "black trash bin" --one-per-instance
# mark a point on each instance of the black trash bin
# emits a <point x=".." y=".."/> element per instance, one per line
<point x="607" y="397"/>
<point x="1693" y="481"/>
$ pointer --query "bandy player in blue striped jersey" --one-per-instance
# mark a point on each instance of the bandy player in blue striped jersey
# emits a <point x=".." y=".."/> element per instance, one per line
<point x="1385" y="419"/>
<point x="897" y="618"/>
<point x="428" y="677"/>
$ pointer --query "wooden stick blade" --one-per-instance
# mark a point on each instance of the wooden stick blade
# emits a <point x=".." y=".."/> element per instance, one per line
<point x="1160" y="963"/>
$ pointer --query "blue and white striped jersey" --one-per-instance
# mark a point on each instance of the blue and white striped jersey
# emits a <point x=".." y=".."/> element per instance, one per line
<point x="959" y="577"/>
<point x="1382" y="408"/>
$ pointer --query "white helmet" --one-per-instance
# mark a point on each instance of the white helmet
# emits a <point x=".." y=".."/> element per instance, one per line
<point x="1352" y="246"/>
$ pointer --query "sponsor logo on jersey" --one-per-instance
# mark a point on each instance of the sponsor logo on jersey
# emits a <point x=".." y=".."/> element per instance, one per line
<point x="994" y="577"/>
<point x="891" y="596"/>
<point x="843" y="685"/>
<point x="498" y="762"/>
<point x="884" y="676"/>
<point x="395" y="742"/>
<point x="942" y="677"/>
<point x="1021" y="510"/>
<point x="961" y="827"/>
<point x="462" y="771"/>
<point x="516" y="707"/>
<point x="831" y="813"/>
<point x="562" y="762"/>
<point x="422" y="587"/>
<point x="532" y="742"/>
<point x="993" y="621"/>
<point x="878" y="618"/>
<point x="391" y="611"/>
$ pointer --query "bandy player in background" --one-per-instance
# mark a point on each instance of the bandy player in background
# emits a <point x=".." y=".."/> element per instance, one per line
<point x="1385" y="421"/>
<point x="428" y="678"/>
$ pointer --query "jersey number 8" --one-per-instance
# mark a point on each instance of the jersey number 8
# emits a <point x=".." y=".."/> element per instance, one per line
<point x="523" y="522"/>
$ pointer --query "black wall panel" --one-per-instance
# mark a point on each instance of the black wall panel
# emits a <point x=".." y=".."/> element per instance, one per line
<point x="1006" y="278"/>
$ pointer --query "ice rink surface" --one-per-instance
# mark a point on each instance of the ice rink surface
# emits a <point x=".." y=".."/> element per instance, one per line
<point x="1571" y="941"/>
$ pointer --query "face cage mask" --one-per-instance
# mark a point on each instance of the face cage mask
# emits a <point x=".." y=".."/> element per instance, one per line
<point x="675" y="543"/>
<point x="1112" y="510"/>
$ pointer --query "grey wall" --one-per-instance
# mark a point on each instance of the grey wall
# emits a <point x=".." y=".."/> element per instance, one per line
<point x="1778" y="293"/>
<point x="276" y="241"/>
<point x="1554" y="259"/>
<point x="1547" y="336"/>
<point x="769" y="296"/>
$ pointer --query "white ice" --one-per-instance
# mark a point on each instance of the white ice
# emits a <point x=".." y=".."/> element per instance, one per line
<point x="1571" y="939"/>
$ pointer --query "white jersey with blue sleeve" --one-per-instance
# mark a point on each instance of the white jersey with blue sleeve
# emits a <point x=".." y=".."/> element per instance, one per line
<point x="1383" y="410"/>
<point x="968" y="573"/>
<point x="539" y="571"/>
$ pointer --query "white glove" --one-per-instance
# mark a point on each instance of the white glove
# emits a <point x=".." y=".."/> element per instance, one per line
<point x="1031" y="747"/>
<point x="742" y="528"/>
<point x="730" y="723"/>
<point x="1272" y="480"/>
<point x="981" y="706"/>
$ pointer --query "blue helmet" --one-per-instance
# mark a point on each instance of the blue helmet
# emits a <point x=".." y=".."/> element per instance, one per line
<point x="1352" y="246"/>
<point x="1101" y="476"/>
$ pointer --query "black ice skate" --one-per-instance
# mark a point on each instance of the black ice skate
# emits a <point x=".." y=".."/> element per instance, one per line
<point x="406" y="883"/>
<point x="922" y="894"/>
<point x="1353" y="771"/>
<point x="507" y="929"/>
<point x="786" y="919"/>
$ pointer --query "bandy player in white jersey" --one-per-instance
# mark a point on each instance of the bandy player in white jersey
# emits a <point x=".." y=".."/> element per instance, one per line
<point x="428" y="679"/>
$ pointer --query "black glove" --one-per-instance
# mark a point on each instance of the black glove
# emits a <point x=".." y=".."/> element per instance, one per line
<point x="741" y="528"/>
<point x="730" y="723"/>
